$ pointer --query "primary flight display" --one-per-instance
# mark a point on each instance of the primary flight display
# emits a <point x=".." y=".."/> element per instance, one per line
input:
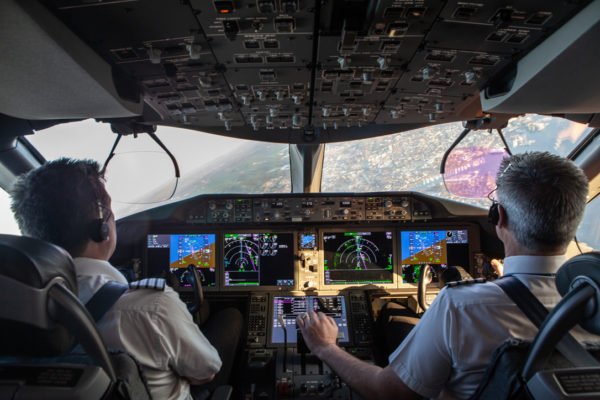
<point x="176" y="252"/>
<point x="439" y="248"/>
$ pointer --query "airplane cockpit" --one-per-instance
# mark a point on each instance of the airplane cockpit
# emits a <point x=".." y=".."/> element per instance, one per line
<point x="281" y="157"/>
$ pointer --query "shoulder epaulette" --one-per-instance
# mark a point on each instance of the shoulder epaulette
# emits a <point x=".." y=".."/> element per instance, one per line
<point x="466" y="282"/>
<point x="148" y="283"/>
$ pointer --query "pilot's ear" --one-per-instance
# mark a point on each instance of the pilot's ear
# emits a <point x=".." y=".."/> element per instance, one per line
<point x="502" y="217"/>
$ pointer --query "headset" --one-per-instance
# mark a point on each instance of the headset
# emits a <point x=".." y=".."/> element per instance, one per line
<point x="494" y="214"/>
<point x="99" y="228"/>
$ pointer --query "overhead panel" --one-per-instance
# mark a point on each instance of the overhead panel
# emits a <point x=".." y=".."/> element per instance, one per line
<point x="301" y="71"/>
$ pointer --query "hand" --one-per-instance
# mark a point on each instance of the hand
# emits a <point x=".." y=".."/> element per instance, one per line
<point x="498" y="266"/>
<point x="319" y="331"/>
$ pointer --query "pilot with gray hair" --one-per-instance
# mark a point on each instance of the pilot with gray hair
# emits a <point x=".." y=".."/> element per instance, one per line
<point x="540" y="202"/>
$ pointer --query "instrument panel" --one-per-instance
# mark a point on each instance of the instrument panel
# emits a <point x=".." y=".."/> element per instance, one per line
<point x="320" y="258"/>
<point x="309" y="242"/>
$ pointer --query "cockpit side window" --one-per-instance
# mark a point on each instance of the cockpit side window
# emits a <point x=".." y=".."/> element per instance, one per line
<point x="8" y="224"/>
<point x="588" y="234"/>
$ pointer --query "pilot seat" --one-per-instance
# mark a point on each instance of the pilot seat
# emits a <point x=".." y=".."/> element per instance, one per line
<point x="554" y="365"/>
<point x="42" y="321"/>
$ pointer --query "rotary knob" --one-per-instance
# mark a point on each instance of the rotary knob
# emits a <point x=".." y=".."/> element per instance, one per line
<point x="212" y="205"/>
<point x="229" y="205"/>
<point x="387" y="203"/>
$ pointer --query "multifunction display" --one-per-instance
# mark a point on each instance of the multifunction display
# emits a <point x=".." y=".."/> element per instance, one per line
<point x="258" y="259"/>
<point x="358" y="257"/>
<point x="176" y="252"/>
<point x="437" y="248"/>
<point x="290" y="307"/>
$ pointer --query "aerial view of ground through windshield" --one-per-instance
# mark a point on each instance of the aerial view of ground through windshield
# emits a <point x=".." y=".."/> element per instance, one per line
<point x="405" y="161"/>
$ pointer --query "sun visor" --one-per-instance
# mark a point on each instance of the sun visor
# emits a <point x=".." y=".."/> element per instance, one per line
<point x="49" y="73"/>
<point x="547" y="80"/>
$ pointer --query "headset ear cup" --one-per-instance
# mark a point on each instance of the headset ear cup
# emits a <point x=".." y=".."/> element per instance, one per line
<point x="494" y="214"/>
<point x="99" y="230"/>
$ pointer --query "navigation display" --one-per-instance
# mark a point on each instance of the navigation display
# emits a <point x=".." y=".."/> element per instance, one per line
<point x="259" y="259"/>
<point x="439" y="248"/>
<point x="176" y="252"/>
<point x="290" y="307"/>
<point x="358" y="257"/>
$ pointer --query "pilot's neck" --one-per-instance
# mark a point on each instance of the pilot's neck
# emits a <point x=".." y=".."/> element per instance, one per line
<point x="97" y="250"/>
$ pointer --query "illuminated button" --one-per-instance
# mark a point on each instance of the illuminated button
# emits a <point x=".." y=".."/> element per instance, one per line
<point x="224" y="7"/>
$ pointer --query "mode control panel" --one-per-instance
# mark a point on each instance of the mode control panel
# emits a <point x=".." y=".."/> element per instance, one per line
<point x="343" y="208"/>
<point x="388" y="208"/>
<point x="229" y="210"/>
<point x="292" y="209"/>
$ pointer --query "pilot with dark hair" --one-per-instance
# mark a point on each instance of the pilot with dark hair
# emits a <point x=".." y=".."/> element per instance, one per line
<point x="540" y="202"/>
<point x="65" y="202"/>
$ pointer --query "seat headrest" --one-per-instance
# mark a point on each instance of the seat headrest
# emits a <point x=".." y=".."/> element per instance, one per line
<point x="587" y="264"/>
<point x="33" y="263"/>
<point x="579" y="269"/>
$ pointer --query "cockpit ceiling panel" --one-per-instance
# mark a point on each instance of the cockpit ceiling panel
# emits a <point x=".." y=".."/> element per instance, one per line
<point x="292" y="71"/>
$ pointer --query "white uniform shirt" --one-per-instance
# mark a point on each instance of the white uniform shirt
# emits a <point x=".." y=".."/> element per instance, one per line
<point x="155" y="328"/>
<point x="447" y="353"/>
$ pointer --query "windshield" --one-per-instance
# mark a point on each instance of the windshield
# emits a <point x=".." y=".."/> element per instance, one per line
<point x="411" y="160"/>
<point x="215" y="164"/>
<point x="208" y="163"/>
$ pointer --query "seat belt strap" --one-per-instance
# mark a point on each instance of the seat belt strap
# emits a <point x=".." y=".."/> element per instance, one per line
<point x="524" y="299"/>
<point x="570" y="348"/>
<point x="104" y="299"/>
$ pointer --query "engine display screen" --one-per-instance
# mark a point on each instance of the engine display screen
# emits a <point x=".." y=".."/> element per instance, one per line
<point x="258" y="259"/>
<point x="358" y="257"/>
<point x="289" y="307"/>
<point x="440" y="248"/>
<point x="176" y="252"/>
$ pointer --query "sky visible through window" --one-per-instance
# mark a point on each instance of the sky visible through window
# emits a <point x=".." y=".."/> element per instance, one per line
<point x="216" y="164"/>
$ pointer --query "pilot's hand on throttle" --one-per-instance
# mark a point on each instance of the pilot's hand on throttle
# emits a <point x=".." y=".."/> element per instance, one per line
<point x="319" y="331"/>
